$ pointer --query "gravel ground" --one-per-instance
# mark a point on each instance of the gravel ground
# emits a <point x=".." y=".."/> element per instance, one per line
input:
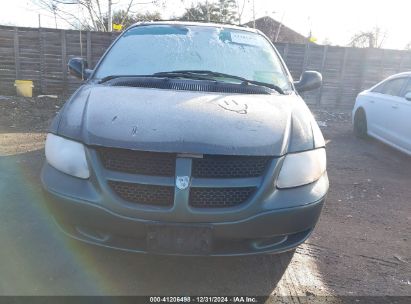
<point x="360" y="247"/>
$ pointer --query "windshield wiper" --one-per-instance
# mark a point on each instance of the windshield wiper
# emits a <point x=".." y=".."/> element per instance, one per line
<point x="186" y="73"/>
<point x="198" y="75"/>
<point x="159" y="75"/>
<point x="107" y="78"/>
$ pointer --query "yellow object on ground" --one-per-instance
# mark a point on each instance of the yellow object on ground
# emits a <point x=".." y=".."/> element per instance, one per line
<point x="24" y="88"/>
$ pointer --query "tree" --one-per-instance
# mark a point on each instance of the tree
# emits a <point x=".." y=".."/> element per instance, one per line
<point x="227" y="11"/>
<point x="374" y="38"/>
<point x="88" y="14"/>
<point x="201" y="12"/>
<point x="240" y="9"/>
<point x="223" y="11"/>
<point x="127" y="19"/>
<point x="408" y="46"/>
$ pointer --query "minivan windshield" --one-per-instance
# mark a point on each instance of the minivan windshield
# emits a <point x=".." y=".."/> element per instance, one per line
<point x="150" y="49"/>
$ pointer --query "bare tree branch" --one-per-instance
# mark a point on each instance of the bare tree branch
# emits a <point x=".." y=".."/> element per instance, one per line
<point x="240" y="11"/>
<point x="374" y="38"/>
<point x="127" y="11"/>
<point x="93" y="14"/>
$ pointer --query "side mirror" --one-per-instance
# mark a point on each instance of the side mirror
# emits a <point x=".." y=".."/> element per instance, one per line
<point x="408" y="96"/>
<point x="78" y="67"/>
<point x="310" y="80"/>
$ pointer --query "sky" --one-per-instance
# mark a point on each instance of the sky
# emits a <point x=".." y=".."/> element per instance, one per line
<point x="332" y="20"/>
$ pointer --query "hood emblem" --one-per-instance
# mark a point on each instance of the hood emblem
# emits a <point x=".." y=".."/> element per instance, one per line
<point x="182" y="182"/>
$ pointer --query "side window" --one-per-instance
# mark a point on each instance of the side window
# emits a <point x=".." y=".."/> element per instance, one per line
<point x="380" y="88"/>
<point x="407" y="88"/>
<point x="393" y="87"/>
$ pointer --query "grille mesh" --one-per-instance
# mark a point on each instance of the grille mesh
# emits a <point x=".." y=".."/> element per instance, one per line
<point x="219" y="197"/>
<point x="144" y="194"/>
<point x="164" y="164"/>
<point x="138" y="162"/>
<point x="215" y="166"/>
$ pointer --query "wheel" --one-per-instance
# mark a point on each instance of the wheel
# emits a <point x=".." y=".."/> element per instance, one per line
<point x="360" y="124"/>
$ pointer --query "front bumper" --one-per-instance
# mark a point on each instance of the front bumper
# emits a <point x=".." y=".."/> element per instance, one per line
<point x="285" y="218"/>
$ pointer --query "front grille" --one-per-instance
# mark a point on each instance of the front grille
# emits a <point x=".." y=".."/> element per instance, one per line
<point x="162" y="196"/>
<point x="138" y="162"/>
<point x="164" y="164"/>
<point x="219" y="197"/>
<point x="223" y="166"/>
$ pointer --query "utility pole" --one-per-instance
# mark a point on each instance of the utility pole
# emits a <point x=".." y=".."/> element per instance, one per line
<point x="55" y="19"/>
<point x="54" y="7"/>
<point x="110" y="16"/>
<point x="208" y="11"/>
<point x="279" y="28"/>
<point x="254" y="13"/>
<point x="39" y="21"/>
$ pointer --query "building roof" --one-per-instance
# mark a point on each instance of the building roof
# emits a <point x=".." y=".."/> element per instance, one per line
<point x="276" y="31"/>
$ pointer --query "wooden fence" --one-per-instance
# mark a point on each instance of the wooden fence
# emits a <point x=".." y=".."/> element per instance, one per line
<point x="41" y="55"/>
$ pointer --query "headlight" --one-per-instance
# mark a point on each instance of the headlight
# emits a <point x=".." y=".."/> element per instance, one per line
<point x="67" y="156"/>
<point x="302" y="168"/>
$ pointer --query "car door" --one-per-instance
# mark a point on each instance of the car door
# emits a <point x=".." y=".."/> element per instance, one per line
<point x="386" y="103"/>
<point x="375" y="105"/>
<point x="401" y="123"/>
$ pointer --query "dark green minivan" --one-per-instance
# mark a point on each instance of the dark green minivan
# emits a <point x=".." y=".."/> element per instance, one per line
<point x="187" y="139"/>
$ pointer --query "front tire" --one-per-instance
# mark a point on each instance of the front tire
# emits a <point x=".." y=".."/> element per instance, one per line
<point x="360" y="124"/>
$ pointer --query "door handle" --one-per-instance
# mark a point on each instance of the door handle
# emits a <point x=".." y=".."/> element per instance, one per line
<point x="372" y="101"/>
<point x="394" y="107"/>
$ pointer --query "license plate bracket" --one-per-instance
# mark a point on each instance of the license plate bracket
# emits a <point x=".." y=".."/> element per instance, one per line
<point x="179" y="239"/>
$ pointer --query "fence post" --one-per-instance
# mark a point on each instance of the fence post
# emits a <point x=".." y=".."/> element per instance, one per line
<point x="64" y="61"/>
<point x="341" y="78"/>
<point x="16" y="53"/>
<point x="286" y="49"/>
<point x="403" y="55"/>
<point x="42" y="64"/>
<point x="305" y="62"/>
<point x="382" y="59"/>
<point x="363" y="71"/>
<point x="306" y="56"/>
<point x="89" y="49"/>
<point x="320" y="92"/>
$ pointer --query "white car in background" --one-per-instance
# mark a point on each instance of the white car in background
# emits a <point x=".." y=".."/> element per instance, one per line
<point x="384" y="112"/>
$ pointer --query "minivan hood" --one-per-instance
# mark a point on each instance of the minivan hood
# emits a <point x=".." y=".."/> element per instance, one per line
<point x="186" y="121"/>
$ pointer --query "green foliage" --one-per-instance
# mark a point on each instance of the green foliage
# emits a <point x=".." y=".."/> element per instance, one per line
<point x="201" y="12"/>
<point x="223" y="11"/>
<point x="228" y="11"/>
<point x="121" y="17"/>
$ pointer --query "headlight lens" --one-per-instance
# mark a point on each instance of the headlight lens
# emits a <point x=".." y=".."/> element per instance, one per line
<point x="67" y="156"/>
<point x="302" y="168"/>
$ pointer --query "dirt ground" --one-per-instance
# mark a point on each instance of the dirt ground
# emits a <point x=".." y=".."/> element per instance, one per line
<point x="361" y="246"/>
